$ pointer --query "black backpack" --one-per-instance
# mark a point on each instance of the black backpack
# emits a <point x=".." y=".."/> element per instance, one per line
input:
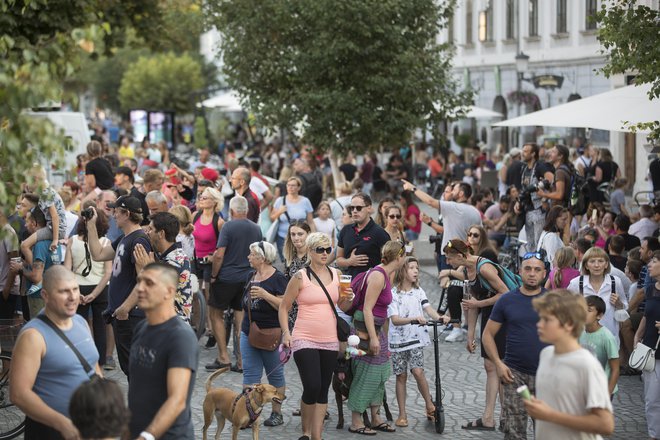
<point x="216" y="217"/>
<point x="576" y="196"/>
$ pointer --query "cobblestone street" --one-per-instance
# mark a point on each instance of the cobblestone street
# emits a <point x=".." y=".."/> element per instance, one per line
<point x="463" y="379"/>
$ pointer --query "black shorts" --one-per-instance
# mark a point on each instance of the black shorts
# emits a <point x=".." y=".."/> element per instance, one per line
<point x="225" y="295"/>
<point x="203" y="272"/>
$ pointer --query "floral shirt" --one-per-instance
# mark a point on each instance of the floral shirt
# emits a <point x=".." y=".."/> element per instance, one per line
<point x="47" y="198"/>
<point x="176" y="257"/>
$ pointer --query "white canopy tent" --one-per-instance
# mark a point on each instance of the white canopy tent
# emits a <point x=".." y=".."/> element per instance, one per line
<point x="605" y="111"/>
<point x="227" y="101"/>
<point x="482" y="113"/>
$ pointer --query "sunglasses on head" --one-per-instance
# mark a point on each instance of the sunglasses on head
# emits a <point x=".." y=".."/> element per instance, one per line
<point x="358" y="208"/>
<point x="320" y="250"/>
<point x="537" y="255"/>
<point x="402" y="251"/>
<point x="394" y="216"/>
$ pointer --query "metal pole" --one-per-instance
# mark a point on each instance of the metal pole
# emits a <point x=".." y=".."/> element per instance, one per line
<point x="519" y="90"/>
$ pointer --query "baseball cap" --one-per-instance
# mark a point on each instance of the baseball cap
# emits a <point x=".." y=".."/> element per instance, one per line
<point x="515" y="152"/>
<point x="129" y="203"/>
<point x="210" y="174"/>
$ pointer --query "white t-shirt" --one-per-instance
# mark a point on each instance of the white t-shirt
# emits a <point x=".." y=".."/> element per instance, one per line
<point x="258" y="187"/>
<point x="572" y="383"/>
<point x="408" y="304"/>
<point x="458" y="217"/>
<point x="551" y="242"/>
<point x="604" y="293"/>
<point x="325" y="226"/>
<point x="71" y="223"/>
<point x="337" y="207"/>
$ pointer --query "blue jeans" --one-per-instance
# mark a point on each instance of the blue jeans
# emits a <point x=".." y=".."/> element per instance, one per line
<point x="411" y="235"/>
<point x="256" y="360"/>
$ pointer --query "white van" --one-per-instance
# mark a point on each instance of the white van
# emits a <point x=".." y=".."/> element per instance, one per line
<point x="76" y="130"/>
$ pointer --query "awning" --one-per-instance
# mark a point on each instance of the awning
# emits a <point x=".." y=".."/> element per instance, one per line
<point x="227" y="101"/>
<point x="605" y="111"/>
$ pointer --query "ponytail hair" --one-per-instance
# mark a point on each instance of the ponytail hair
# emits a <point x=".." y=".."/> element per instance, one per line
<point x="565" y="257"/>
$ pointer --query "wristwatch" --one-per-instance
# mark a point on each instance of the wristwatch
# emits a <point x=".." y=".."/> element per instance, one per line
<point x="430" y="222"/>
<point x="147" y="435"/>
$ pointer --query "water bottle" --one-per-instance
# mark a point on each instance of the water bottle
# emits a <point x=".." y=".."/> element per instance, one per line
<point x="55" y="255"/>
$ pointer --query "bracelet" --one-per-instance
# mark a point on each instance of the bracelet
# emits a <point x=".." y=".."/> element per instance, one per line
<point x="147" y="435"/>
<point x="430" y="223"/>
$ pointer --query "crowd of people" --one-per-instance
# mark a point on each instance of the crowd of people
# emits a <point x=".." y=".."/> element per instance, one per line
<point x="558" y="295"/>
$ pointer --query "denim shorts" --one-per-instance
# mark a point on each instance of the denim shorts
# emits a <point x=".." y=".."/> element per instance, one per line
<point x="256" y="360"/>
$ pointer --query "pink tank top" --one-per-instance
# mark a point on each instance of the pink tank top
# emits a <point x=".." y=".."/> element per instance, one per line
<point x="205" y="239"/>
<point x="316" y="321"/>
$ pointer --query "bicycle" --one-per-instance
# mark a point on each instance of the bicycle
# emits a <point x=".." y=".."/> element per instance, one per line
<point x="12" y="419"/>
<point x="509" y="257"/>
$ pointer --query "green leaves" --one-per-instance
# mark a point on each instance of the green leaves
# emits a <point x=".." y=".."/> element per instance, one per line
<point x="359" y="74"/>
<point x="629" y="34"/>
<point x="162" y="82"/>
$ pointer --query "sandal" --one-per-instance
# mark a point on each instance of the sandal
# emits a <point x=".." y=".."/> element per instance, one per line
<point x="401" y="422"/>
<point x="384" y="427"/>
<point x="361" y="431"/>
<point x="478" y="425"/>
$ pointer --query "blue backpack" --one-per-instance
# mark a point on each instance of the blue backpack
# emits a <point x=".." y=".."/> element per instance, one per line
<point x="512" y="280"/>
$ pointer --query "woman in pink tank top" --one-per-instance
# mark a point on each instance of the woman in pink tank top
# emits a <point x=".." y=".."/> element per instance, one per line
<point x="314" y="339"/>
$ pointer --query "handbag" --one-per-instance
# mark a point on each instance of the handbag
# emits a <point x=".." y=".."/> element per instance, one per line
<point x="343" y="328"/>
<point x="88" y="368"/>
<point x="271" y="234"/>
<point x="262" y="338"/>
<point x="642" y="357"/>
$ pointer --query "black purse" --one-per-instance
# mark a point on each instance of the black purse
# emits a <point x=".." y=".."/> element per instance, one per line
<point x="343" y="328"/>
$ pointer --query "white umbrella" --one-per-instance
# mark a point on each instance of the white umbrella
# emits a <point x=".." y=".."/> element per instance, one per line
<point x="228" y="101"/>
<point x="606" y="111"/>
<point x="482" y="113"/>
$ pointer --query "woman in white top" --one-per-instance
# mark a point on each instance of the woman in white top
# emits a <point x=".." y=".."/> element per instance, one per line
<point x="596" y="280"/>
<point x="550" y="239"/>
<point x="92" y="276"/>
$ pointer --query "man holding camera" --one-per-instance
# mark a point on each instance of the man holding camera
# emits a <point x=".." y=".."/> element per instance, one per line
<point x="530" y="203"/>
<point x="122" y="309"/>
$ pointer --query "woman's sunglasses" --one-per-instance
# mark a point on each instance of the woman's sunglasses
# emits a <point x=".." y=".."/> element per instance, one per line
<point x="394" y="216"/>
<point x="320" y="250"/>
<point x="472" y="234"/>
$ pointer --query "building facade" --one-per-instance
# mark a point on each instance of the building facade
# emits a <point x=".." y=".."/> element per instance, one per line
<point x="559" y="39"/>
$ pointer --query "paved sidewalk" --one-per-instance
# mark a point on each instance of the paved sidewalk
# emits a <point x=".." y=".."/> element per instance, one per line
<point x="463" y="379"/>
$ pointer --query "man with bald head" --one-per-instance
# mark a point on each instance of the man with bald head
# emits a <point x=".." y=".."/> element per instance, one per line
<point x="163" y="360"/>
<point x="45" y="370"/>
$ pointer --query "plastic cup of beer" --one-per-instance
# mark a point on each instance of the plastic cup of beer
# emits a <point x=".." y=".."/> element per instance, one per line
<point x="344" y="285"/>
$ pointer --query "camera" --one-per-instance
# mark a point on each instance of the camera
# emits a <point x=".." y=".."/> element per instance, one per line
<point x="526" y="193"/>
<point x="433" y="239"/>
<point x="87" y="214"/>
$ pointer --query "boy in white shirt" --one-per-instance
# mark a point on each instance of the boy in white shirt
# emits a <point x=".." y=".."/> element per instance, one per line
<point x="572" y="399"/>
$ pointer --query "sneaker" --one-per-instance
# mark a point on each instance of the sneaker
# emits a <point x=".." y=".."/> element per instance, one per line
<point x="275" y="419"/>
<point x="109" y="364"/>
<point x="456" y="335"/>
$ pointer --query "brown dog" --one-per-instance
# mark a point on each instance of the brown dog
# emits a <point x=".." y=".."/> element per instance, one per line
<point x="242" y="410"/>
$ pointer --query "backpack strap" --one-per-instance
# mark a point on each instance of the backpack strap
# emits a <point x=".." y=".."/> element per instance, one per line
<point x="613" y="284"/>
<point x="581" y="285"/>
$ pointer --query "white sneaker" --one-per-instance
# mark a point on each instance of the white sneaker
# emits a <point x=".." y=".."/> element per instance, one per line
<point x="456" y="335"/>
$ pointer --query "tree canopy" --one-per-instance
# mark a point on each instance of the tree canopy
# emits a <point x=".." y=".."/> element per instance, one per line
<point x="163" y="81"/>
<point x="356" y="74"/>
<point x="630" y="34"/>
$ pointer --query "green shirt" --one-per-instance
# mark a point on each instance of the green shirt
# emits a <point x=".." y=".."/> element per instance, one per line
<point x="601" y="344"/>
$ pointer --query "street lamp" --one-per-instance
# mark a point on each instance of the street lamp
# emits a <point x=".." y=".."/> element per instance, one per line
<point x="522" y="63"/>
